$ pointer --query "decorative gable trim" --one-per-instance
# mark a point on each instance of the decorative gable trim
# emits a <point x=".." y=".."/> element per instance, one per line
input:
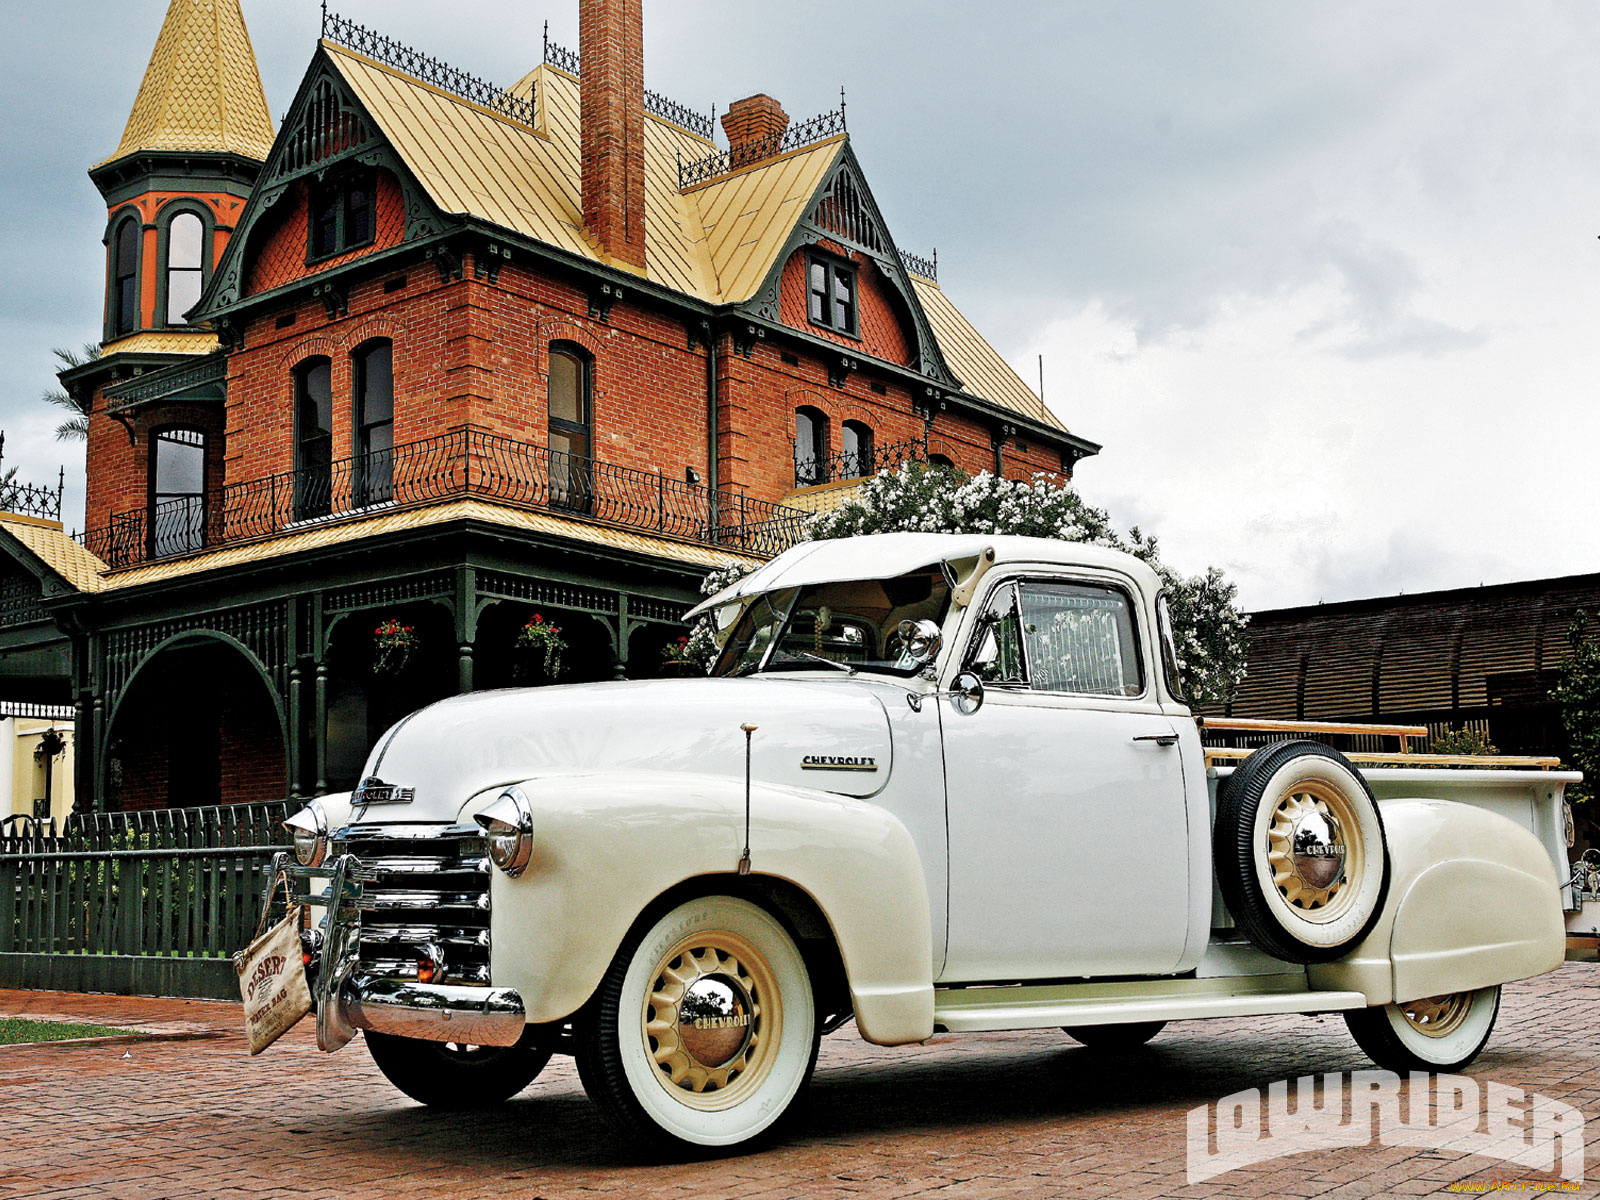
<point x="327" y="127"/>
<point x="843" y="212"/>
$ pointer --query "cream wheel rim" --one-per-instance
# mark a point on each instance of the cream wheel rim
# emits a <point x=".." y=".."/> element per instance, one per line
<point x="1315" y="851"/>
<point x="712" y="1021"/>
<point x="1438" y="1016"/>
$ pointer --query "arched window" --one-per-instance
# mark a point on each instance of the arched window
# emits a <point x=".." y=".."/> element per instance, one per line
<point x="177" y="491"/>
<point x="940" y="460"/>
<point x="372" y="375"/>
<point x="186" y="235"/>
<point x="313" y="439"/>
<point x="125" y="278"/>
<point x="810" y="446"/>
<point x="571" y="428"/>
<point x="857" y="459"/>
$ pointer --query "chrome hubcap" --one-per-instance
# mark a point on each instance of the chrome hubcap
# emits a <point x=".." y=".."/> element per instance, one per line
<point x="714" y="1020"/>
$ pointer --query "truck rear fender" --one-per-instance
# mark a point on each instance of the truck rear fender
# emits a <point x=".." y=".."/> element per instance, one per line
<point x="1473" y="901"/>
<point x="608" y="848"/>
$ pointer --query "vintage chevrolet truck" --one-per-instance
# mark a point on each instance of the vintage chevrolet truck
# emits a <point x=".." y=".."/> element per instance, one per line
<point x="934" y="783"/>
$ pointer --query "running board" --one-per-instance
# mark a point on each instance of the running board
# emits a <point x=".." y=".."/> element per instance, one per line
<point x="974" y="1009"/>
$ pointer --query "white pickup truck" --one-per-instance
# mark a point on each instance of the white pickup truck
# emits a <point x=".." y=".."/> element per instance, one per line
<point x="935" y="783"/>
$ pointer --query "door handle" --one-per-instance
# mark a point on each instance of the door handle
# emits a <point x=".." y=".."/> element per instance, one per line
<point x="1160" y="739"/>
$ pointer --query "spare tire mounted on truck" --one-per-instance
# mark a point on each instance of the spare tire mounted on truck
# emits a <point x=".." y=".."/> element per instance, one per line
<point x="1299" y="851"/>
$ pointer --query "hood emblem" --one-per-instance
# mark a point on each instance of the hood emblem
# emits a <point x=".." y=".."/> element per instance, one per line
<point x="838" y="762"/>
<point x="373" y="790"/>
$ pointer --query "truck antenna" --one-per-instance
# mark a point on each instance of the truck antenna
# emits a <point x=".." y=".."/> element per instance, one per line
<point x="744" y="860"/>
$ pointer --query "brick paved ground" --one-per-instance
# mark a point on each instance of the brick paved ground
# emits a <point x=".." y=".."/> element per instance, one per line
<point x="1002" y="1115"/>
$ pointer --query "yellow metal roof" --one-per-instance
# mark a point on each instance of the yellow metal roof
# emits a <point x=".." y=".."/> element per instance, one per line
<point x="197" y="342"/>
<point x="345" y="532"/>
<point x="202" y="89"/>
<point x="56" y="550"/>
<point x="716" y="242"/>
<point x="975" y="362"/>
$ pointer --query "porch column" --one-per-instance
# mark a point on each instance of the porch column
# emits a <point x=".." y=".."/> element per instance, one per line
<point x="321" y="730"/>
<point x="292" y="749"/>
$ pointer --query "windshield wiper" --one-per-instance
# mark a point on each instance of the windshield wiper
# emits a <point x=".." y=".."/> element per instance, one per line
<point x="837" y="666"/>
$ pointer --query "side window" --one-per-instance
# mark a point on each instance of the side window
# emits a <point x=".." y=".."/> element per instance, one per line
<point x="810" y="446"/>
<point x="125" y="278"/>
<point x="313" y="439"/>
<point x="858" y="459"/>
<point x="177" y="492"/>
<point x="186" y="234"/>
<point x="1169" y="648"/>
<point x="1080" y="638"/>
<point x="997" y="650"/>
<point x="372" y="377"/>
<point x="571" y="393"/>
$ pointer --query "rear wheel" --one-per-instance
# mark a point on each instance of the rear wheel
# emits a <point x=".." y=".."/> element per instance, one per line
<point x="1437" y="1033"/>
<point x="455" y="1075"/>
<point x="1115" y="1037"/>
<point x="703" y="1031"/>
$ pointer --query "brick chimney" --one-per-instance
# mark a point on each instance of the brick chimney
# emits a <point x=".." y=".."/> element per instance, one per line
<point x="754" y="127"/>
<point x="611" y="91"/>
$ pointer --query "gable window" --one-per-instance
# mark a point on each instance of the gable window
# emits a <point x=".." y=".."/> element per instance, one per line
<point x="125" y="278"/>
<point x="313" y="439"/>
<point x="186" y="234"/>
<point x="177" y="492"/>
<point x="810" y="446"/>
<point x="373" y="378"/>
<point x="342" y="214"/>
<point x="857" y="457"/>
<point x="831" y="293"/>
<point x="571" y="417"/>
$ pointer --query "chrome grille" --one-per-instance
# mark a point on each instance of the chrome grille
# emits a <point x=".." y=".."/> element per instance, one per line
<point x="422" y="885"/>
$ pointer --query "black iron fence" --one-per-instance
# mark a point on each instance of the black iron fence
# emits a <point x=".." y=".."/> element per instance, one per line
<point x="151" y="902"/>
<point x="33" y="499"/>
<point x="857" y="463"/>
<point x="454" y="465"/>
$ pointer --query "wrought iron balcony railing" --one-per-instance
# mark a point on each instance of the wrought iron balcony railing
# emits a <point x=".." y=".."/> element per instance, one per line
<point x="856" y="464"/>
<point x="452" y="466"/>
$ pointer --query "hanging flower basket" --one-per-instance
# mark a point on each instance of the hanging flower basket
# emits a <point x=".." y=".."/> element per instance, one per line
<point x="393" y="644"/>
<point x="540" y="651"/>
<point x="677" y="662"/>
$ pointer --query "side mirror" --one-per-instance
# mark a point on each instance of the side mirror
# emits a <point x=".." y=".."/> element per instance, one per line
<point x="919" y="641"/>
<point x="967" y="692"/>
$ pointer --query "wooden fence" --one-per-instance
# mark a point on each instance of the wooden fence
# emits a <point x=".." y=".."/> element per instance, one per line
<point x="150" y="903"/>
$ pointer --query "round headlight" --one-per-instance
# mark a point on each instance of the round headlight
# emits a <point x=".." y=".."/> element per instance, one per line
<point x="508" y="828"/>
<point x="308" y="830"/>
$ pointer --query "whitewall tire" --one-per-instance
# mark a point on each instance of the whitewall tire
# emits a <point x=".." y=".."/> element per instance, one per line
<point x="1299" y="851"/>
<point x="703" y="1031"/>
<point x="1436" y="1033"/>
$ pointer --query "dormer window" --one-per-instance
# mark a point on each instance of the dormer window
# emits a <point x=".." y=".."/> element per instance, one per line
<point x="831" y="293"/>
<point x="342" y="215"/>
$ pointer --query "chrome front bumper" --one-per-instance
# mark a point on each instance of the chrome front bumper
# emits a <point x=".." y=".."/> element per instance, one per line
<point x="435" y="1012"/>
<point x="348" y="998"/>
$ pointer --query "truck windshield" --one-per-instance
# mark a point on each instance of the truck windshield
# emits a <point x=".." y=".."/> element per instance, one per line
<point x="855" y="623"/>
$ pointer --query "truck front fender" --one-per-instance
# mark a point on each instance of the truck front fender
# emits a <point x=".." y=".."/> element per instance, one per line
<point x="1473" y="901"/>
<point x="608" y="847"/>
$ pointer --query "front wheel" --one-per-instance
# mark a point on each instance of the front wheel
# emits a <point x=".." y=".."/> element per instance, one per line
<point x="703" y="1031"/>
<point x="453" y="1075"/>
<point x="1438" y="1033"/>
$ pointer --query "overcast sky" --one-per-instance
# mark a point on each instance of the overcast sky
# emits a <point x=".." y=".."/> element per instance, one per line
<point x="1322" y="278"/>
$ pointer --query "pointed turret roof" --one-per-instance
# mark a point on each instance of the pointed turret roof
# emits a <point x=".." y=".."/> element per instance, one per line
<point x="202" y="91"/>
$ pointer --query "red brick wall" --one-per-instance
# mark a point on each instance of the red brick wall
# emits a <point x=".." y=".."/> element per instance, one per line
<point x="883" y="331"/>
<point x="117" y="479"/>
<point x="281" y="257"/>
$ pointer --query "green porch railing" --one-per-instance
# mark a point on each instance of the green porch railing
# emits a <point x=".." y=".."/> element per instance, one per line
<point x="140" y="903"/>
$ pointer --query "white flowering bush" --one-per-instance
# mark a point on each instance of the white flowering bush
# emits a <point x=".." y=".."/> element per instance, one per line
<point x="1207" y="624"/>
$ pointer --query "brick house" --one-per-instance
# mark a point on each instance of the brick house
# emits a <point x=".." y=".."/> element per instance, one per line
<point x="452" y="354"/>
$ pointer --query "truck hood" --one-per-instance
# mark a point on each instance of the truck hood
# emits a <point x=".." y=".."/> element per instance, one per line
<point x="828" y="735"/>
